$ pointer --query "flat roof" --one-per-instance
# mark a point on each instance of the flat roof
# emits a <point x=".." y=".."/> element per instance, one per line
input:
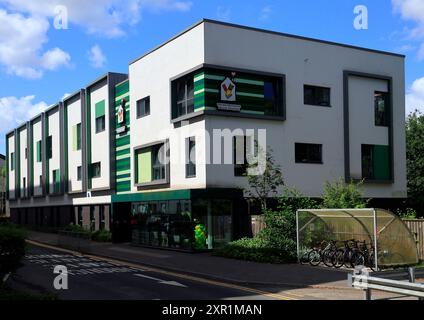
<point x="268" y="32"/>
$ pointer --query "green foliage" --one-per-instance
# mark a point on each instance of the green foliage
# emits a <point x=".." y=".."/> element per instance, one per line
<point x="101" y="236"/>
<point x="12" y="247"/>
<point x="266" y="181"/>
<point x="341" y="195"/>
<point x="415" y="160"/>
<point x="276" y="243"/>
<point x="76" y="228"/>
<point x="409" y="213"/>
<point x="254" y="249"/>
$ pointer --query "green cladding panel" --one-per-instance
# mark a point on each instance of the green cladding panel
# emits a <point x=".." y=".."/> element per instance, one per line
<point x="75" y="138"/>
<point x="144" y="166"/>
<point x="122" y="141"/>
<point x="100" y="108"/>
<point x="38" y="151"/>
<point x="381" y="162"/>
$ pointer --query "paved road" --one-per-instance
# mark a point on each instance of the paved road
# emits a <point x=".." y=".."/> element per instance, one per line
<point x="93" y="279"/>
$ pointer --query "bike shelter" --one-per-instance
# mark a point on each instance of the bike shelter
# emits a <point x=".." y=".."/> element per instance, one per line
<point x="381" y="229"/>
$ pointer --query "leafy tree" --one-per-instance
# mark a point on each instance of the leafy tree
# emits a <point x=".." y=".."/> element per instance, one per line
<point x="415" y="160"/>
<point x="341" y="195"/>
<point x="266" y="184"/>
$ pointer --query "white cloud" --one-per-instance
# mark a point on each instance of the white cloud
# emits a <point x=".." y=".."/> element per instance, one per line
<point x="415" y="96"/>
<point x="96" y="57"/>
<point x="103" y="17"/>
<point x="21" y="46"/>
<point x="411" y="10"/>
<point x="421" y="53"/>
<point x="265" y="13"/>
<point x="15" y="111"/>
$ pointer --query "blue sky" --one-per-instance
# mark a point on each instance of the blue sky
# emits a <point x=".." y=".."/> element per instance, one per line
<point x="39" y="63"/>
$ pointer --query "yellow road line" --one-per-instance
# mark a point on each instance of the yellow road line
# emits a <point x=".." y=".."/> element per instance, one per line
<point x="276" y="296"/>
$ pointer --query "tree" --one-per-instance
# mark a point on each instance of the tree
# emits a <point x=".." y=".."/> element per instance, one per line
<point x="266" y="184"/>
<point x="341" y="195"/>
<point x="415" y="160"/>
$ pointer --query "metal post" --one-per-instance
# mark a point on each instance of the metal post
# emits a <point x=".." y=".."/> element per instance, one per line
<point x="297" y="236"/>
<point x="375" y="241"/>
<point x="367" y="294"/>
<point x="411" y="275"/>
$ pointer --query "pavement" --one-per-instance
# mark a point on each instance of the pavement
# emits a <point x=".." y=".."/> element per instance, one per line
<point x="212" y="267"/>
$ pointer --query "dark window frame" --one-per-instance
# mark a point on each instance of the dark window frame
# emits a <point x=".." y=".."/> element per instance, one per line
<point x="49" y="147"/>
<point x="187" y="101"/>
<point x="79" y="136"/>
<point x="307" y="156"/>
<point x="103" y="127"/>
<point x="79" y="173"/>
<point x="381" y="119"/>
<point x="190" y="164"/>
<point x="146" y="110"/>
<point x="92" y="167"/>
<point x="367" y="173"/>
<point x="316" y="96"/>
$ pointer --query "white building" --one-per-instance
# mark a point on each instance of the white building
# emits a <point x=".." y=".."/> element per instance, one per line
<point x="327" y="110"/>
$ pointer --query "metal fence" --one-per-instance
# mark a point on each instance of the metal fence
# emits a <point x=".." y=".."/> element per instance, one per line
<point x="417" y="228"/>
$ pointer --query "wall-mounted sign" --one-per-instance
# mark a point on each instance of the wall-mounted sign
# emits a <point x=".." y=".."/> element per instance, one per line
<point x="121" y="112"/>
<point x="228" y="107"/>
<point x="228" y="90"/>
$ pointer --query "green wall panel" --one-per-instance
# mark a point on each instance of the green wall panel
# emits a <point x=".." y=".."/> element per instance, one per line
<point x="100" y="108"/>
<point x="144" y="166"/>
<point x="381" y="162"/>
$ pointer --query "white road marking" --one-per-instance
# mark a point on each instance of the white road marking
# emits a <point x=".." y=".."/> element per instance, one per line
<point x="170" y="283"/>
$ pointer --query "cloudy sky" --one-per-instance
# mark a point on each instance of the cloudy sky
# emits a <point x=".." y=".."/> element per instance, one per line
<point x="41" y="61"/>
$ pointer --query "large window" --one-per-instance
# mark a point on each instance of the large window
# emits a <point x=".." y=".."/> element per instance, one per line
<point x="316" y="96"/>
<point x="96" y="170"/>
<point x="184" y="95"/>
<point x="375" y="162"/>
<point x="191" y="157"/>
<point x="79" y="173"/>
<point x="242" y="148"/>
<point x="12" y="161"/>
<point x="56" y="181"/>
<point x="308" y="153"/>
<point x="100" y="116"/>
<point x="381" y="108"/>
<point x="143" y="107"/>
<point x="151" y="164"/>
<point x="49" y="147"/>
<point x="76" y="139"/>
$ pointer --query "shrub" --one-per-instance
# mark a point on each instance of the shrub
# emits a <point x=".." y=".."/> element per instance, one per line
<point x="76" y="228"/>
<point x="101" y="236"/>
<point x="12" y="247"/>
<point x="408" y="214"/>
<point x="254" y="249"/>
<point x="341" y="195"/>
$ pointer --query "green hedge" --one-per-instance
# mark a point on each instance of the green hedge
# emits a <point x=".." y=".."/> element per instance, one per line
<point x="256" y="249"/>
<point x="12" y="247"/>
<point x="101" y="236"/>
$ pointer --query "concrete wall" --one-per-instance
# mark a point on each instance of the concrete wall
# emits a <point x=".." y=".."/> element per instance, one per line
<point x="54" y="131"/>
<point x="23" y="162"/>
<point x="151" y="76"/>
<point x="37" y="166"/>
<point x="74" y="156"/>
<point x="100" y="149"/>
<point x="314" y="63"/>
<point x="11" y="143"/>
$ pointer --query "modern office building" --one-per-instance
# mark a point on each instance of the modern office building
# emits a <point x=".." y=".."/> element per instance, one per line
<point x="146" y="155"/>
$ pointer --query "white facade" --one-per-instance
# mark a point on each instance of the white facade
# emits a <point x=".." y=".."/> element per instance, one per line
<point x="11" y="174"/>
<point x="54" y="162"/>
<point x="74" y="154"/>
<point x="37" y="162"/>
<point x="23" y="162"/>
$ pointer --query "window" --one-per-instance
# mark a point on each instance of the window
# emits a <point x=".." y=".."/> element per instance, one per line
<point x="80" y="219"/>
<point x="79" y="173"/>
<point x="308" y="153"/>
<point x="100" y="124"/>
<point x="56" y="181"/>
<point x="184" y="95"/>
<point x="191" y="157"/>
<point x="242" y="148"/>
<point x="100" y="116"/>
<point x="41" y="180"/>
<point x="158" y="153"/>
<point x="375" y="162"/>
<point x="96" y="170"/>
<point x="102" y="223"/>
<point x="24" y="188"/>
<point x="26" y="153"/>
<point x="143" y="107"/>
<point x="381" y="108"/>
<point x="317" y="96"/>
<point x="38" y="151"/>
<point x="76" y="139"/>
<point x="49" y="147"/>
<point x="151" y="164"/>
<point x="12" y="161"/>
